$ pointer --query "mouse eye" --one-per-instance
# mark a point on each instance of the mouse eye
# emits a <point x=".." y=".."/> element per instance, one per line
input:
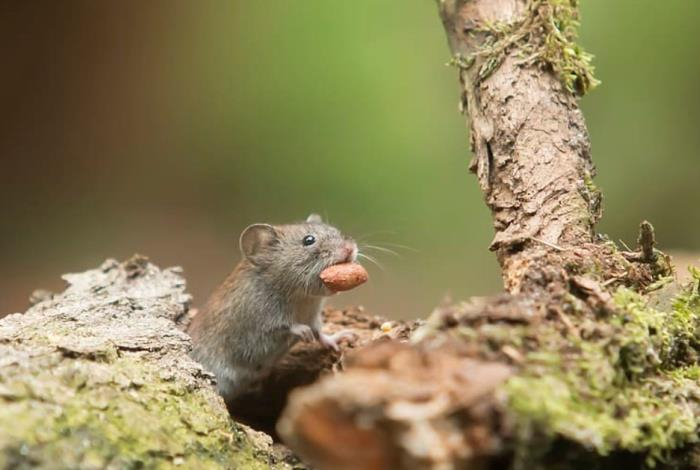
<point x="308" y="240"/>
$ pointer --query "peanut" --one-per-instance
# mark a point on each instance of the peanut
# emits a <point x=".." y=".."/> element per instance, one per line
<point x="342" y="277"/>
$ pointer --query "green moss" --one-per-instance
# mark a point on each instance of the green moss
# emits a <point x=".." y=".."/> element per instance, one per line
<point x="82" y="413"/>
<point x="546" y="34"/>
<point x="631" y="385"/>
<point x="593" y="196"/>
<point x="84" y="383"/>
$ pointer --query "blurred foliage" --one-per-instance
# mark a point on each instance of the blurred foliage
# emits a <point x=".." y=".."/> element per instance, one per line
<point x="166" y="127"/>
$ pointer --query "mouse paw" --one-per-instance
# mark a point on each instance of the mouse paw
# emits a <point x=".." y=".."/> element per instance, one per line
<point x="331" y="341"/>
<point x="304" y="332"/>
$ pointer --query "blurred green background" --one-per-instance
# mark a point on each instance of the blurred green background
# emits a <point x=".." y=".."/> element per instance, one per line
<point x="165" y="127"/>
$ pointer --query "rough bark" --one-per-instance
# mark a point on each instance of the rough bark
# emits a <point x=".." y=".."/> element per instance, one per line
<point x="577" y="365"/>
<point x="99" y="377"/>
<point x="398" y="406"/>
<point x="530" y="144"/>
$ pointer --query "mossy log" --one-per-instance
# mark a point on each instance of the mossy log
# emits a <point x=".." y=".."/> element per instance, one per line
<point x="99" y="377"/>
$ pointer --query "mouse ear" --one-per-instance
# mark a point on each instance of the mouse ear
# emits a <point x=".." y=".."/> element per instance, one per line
<point x="257" y="237"/>
<point x="314" y="219"/>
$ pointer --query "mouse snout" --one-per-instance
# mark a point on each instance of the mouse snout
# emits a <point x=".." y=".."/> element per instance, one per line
<point x="348" y="252"/>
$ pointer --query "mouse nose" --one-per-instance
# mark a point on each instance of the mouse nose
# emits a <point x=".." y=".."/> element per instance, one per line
<point x="348" y="252"/>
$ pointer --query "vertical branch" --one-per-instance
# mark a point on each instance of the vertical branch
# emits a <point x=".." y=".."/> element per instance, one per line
<point x="530" y="143"/>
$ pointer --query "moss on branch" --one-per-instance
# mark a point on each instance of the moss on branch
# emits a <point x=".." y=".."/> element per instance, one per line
<point x="546" y="34"/>
<point x="626" y="382"/>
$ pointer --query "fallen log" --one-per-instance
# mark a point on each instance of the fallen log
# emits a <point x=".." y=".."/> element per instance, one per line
<point x="99" y="376"/>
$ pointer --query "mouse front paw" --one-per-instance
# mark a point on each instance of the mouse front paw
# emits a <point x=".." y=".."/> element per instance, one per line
<point x="331" y="341"/>
<point x="304" y="332"/>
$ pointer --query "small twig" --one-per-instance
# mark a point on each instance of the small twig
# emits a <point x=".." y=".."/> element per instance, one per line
<point x="646" y="241"/>
<point x="624" y="245"/>
<point x="611" y="281"/>
<point x="551" y="245"/>
<point x="565" y="320"/>
<point x="513" y="354"/>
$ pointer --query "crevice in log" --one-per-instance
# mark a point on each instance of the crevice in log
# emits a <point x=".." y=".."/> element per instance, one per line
<point x="307" y="362"/>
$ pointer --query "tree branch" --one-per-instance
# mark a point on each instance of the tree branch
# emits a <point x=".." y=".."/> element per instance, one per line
<point x="530" y="143"/>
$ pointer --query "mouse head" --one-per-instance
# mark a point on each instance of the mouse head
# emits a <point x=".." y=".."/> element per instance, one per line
<point x="293" y="256"/>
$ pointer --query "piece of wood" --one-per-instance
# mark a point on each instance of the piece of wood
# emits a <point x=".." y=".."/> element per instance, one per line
<point x="99" y="376"/>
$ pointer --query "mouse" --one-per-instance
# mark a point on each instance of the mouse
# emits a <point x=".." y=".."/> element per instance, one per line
<point x="273" y="299"/>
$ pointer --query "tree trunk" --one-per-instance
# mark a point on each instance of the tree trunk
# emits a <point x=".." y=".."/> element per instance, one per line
<point x="530" y="143"/>
<point x="588" y="359"/>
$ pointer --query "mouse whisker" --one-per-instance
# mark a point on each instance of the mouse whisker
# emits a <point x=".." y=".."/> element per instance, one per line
<point x="371" y="259"/>
<point x="376" y="232"/>
<point x="382" y="249"/>
<point x="399" y="246"/>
